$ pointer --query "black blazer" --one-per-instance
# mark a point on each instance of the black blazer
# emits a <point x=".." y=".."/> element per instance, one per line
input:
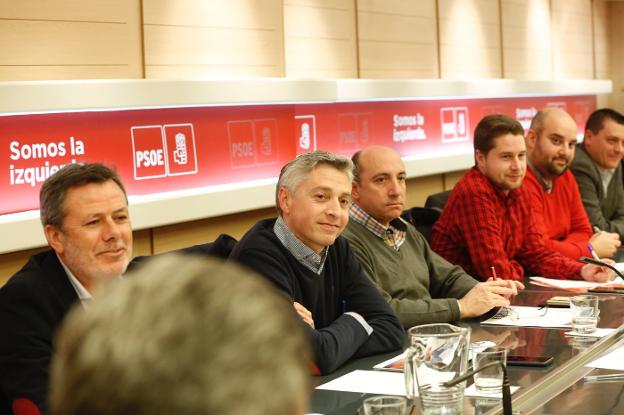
<point x="32" y="305"/>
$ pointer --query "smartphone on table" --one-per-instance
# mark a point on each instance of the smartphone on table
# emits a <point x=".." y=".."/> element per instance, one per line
<point x="534" y="361"/>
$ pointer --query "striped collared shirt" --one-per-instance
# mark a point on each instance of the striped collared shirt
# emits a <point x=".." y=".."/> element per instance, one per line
<point x="304" y="254"/>
<point x="393" y="235"/>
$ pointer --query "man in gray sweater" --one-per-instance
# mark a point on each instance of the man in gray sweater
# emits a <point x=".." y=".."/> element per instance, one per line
<point x="420" y="286"/>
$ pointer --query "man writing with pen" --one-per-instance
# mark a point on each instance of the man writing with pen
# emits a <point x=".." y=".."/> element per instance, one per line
<point x="420" y="286"/>
<point x="488" y="221"/>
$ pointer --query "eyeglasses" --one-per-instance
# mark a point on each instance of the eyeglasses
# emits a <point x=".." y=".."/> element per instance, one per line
<point x="512" y="314"/>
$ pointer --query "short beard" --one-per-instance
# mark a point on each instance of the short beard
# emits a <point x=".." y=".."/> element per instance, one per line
<point x="554" y="171"/>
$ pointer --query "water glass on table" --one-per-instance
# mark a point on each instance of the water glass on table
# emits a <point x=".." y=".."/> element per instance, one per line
<point x="385" y="405"/>
<point x="489" y="380"/>
<point x="437" y="354"/>
<point x="584" y="309"/>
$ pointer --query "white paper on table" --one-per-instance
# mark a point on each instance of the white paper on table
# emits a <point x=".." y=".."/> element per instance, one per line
<point x="532" y="317"/>
<point x="368" y="381"/>
<point x="384" y="383"/>
<point x="472" y="391"/>
<point x="395" y="364"/>
<point x="599" y="333"/>
<point x="391" y="364"/>
<point x="575" y="285"/>
<point x="612" y="360"/>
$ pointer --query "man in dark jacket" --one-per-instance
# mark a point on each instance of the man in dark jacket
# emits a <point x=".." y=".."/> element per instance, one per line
<point x="302" y="254"/>
<point x="84" y="213"/>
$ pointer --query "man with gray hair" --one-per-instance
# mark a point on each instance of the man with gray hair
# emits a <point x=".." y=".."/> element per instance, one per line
<point x="84" y="213"/>
<point x="171" y="340"/>
<point x="304" y="256"/>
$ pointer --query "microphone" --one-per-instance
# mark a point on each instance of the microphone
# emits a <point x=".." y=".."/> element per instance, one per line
<point x="588" y="260"/>
<point x="506" y="384"/>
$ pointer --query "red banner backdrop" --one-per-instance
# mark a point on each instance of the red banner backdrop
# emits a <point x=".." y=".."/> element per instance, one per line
<point x="160" y="150"/>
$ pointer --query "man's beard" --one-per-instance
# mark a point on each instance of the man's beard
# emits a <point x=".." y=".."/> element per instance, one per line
<point x="556" y="171"/>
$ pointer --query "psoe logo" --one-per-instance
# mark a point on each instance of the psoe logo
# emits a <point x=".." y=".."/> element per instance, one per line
<point x="305" y="130"/>
<point x="163" y="150"/>
<point x="455" y="124"/>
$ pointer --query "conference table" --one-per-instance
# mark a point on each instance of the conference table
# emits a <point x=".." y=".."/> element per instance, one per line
<point x="555" y="389"/>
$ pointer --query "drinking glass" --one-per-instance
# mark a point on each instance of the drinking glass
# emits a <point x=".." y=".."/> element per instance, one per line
<point x="585" y="311"/>
<point x="489" y="380"/>
<point x="385" y="405"/>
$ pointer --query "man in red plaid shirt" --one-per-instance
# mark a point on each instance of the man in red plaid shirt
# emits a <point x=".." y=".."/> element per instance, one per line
<point x="487" y="227"/>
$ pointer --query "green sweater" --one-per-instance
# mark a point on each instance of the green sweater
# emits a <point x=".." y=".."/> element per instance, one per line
<point x="420" y="286"/>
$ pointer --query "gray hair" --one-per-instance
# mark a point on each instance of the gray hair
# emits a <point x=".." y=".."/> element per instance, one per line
<point x="183" y="335"/>
<point x="54" y="190"/>
<point x="297" y="170"/>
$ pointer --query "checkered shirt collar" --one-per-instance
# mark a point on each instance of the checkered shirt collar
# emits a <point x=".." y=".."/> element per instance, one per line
<point x="303" y="253"/>
<point x="393" y="235"/>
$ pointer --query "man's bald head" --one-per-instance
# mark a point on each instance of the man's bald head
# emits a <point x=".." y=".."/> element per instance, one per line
<point x="551" y="115"/>
<point x="551" y="141"/>
<point x="379" y="183"/>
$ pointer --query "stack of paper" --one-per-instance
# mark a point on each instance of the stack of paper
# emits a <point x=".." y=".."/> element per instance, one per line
<point x="575" y="285"/>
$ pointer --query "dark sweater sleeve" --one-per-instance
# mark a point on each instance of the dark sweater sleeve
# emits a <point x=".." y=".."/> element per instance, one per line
<point x="332" y="345"/>
<point x="26" y="347"/>
<point x="363" y="297"/>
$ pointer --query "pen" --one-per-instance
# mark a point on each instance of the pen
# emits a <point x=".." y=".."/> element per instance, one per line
<point x="595" y="255"/>
<point x="494" y="273"/>
<point x="604" y="378"/>
<point x="596" y="229"/>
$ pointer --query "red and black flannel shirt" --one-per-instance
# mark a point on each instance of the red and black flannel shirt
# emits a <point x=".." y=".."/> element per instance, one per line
<point x="481" y="228"/>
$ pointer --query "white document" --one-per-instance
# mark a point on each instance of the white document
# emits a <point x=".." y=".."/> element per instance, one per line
<point x="612" y="360"/>
<point x="394" y="364"/>
<point x="472" y="391"/>
<point x="521" y="316"/>
<point x="369" y="381"/>
<point x="575" y="285"/>
<point x="599" y="333"/>
<point x="384" y="383"/>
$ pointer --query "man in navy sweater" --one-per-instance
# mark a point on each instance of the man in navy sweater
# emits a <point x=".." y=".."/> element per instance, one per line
<point x="302" y="254"/>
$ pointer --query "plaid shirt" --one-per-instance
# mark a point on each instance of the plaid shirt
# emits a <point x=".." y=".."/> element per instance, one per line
<point x="481" y="228"/>
<point x="393" y="235"/>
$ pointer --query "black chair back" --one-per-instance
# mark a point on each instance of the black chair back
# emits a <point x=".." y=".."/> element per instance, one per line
<point x="438" y="200"/>
<point x="422" y="218"/>
<point x="220" y="248"/>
